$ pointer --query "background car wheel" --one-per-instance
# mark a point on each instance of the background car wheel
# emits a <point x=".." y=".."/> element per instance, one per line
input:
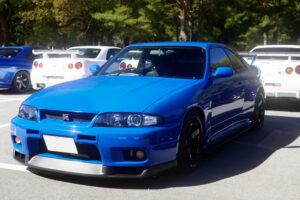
<point x="259" y="112"/>
<point x="190" y="143"/>
<point x="21" y="82"/>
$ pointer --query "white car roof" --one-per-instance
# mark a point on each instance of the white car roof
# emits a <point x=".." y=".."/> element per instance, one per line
<point x="93" y="47"/>
<point x="276" y="46"/>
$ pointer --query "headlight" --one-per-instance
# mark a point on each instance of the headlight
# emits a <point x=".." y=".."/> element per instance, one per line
<point x="28" y="112"/>
<point x="127" y="120"/>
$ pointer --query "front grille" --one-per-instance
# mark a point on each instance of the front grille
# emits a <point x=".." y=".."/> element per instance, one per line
<point x="67" y="116"/>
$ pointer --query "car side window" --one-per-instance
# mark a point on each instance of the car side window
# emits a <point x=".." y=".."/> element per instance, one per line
<point x="238" y="64"/>
<point x="218" y="58"/>
<point x="111" y="53"/>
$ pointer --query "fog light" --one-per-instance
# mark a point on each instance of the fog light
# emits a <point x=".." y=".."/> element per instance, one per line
<point x="18" y="140"/>
<point x="135" y="155"/>
<point x="140" y="154"/>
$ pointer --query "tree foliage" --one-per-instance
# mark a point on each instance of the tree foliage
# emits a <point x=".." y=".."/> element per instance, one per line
<point x="64" y="23"/>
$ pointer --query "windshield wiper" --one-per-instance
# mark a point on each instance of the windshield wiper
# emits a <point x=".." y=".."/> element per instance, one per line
<point x="125" y="71"/>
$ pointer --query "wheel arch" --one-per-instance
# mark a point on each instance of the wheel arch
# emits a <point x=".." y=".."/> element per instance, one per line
<point x="21" y="70"/>
<point x="261" y="89"/>
<point x="202" y="117"/>
<point x="14" y="77"/>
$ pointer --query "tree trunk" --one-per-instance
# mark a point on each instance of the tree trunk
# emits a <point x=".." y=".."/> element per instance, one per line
<point x="265" y="38"/>
<point x="3" y="24"/>
<point x="199" y="20"/>
<point x="275" y="37"/>
<point x="182" y="19"/>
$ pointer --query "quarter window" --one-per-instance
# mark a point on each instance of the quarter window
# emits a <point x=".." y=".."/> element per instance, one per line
<point x="238" y="64"/>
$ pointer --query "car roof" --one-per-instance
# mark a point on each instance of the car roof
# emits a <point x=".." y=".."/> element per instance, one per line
<point x="93" y="47"/>
<point x="190" y="44"/>
<point x="20" y="47"/>
<point x="277" y="46"/>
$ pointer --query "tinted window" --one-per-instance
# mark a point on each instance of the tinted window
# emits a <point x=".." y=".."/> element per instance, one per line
<point x="171" y="62"/>
<point x="237" y="63"/>
<point x="111" y="53"/>
<point x="9" y="52"/>
<point x="278" y="49"/>
<point x="88" y="52"/>
<point x="218" y="58"/>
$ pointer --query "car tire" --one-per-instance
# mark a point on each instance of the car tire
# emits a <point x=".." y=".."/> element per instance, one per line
<point x="259" y="112"/>
<point x="21" y="82"/>
<point x="191" y="143"/>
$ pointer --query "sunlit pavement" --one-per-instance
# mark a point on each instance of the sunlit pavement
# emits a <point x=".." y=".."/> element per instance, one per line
<point x="256" y="165"/>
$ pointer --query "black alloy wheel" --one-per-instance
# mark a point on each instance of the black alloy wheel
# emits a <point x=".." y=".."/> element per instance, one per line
<point x="190" y="143"/>
<point x="21" y="82"/>
<point x="259" y="112"/>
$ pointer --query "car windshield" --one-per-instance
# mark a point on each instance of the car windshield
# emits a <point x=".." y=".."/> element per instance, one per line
<point x="87" y="52"/>
<point x="171" y="62"/>
<point x="9" y="52"/>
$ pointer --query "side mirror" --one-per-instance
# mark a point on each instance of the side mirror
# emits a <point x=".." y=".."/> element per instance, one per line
<point x="223" y="72"/>
<point x="94" y="68"/>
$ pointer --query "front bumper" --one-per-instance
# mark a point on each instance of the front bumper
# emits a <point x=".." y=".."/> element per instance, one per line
<point x="100" y="149"/>
<point x="89" y="169"/>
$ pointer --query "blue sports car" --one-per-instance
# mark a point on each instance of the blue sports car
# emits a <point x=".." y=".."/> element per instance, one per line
<point x="15" y="67"/>
<point x="152" y="107"/>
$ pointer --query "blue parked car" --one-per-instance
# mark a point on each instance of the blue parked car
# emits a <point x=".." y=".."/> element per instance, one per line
<point x="15" y="67"/>
<point x="152" y="107"/>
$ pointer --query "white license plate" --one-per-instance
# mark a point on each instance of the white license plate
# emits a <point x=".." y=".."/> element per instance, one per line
<point x="60" y="144"/>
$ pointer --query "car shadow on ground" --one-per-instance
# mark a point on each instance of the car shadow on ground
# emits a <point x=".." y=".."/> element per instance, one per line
<point x="9" y="92"/>
<point x="283" y="104"/>
<point x="237" y="156"/>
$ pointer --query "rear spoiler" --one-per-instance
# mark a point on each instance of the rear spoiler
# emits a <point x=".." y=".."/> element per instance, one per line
<point x="248" y="55"/>
<point x="46" y="52"/>
<point x="277" y="55"/>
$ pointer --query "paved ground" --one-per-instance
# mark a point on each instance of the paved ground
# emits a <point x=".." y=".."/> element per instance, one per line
<point x="257" y="165"/>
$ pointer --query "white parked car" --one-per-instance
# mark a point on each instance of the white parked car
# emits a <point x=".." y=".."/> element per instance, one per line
<point x="57" y="66"/>
<point x="280" y="69"/>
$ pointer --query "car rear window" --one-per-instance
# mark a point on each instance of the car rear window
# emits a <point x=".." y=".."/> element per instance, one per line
<point x="58" y="55"/>
<point x="272" y="57"/>
<point x="9" y="52"/>
<point x="87" y="52"/>
<point x="295" y="58"/>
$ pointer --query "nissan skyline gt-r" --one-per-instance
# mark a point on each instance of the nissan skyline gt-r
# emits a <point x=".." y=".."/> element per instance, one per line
<point x="15" y="67"/>
<point x="181" y="100"/>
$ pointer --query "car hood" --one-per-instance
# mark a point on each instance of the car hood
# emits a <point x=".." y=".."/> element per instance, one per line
<point x="97" y="94"/>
